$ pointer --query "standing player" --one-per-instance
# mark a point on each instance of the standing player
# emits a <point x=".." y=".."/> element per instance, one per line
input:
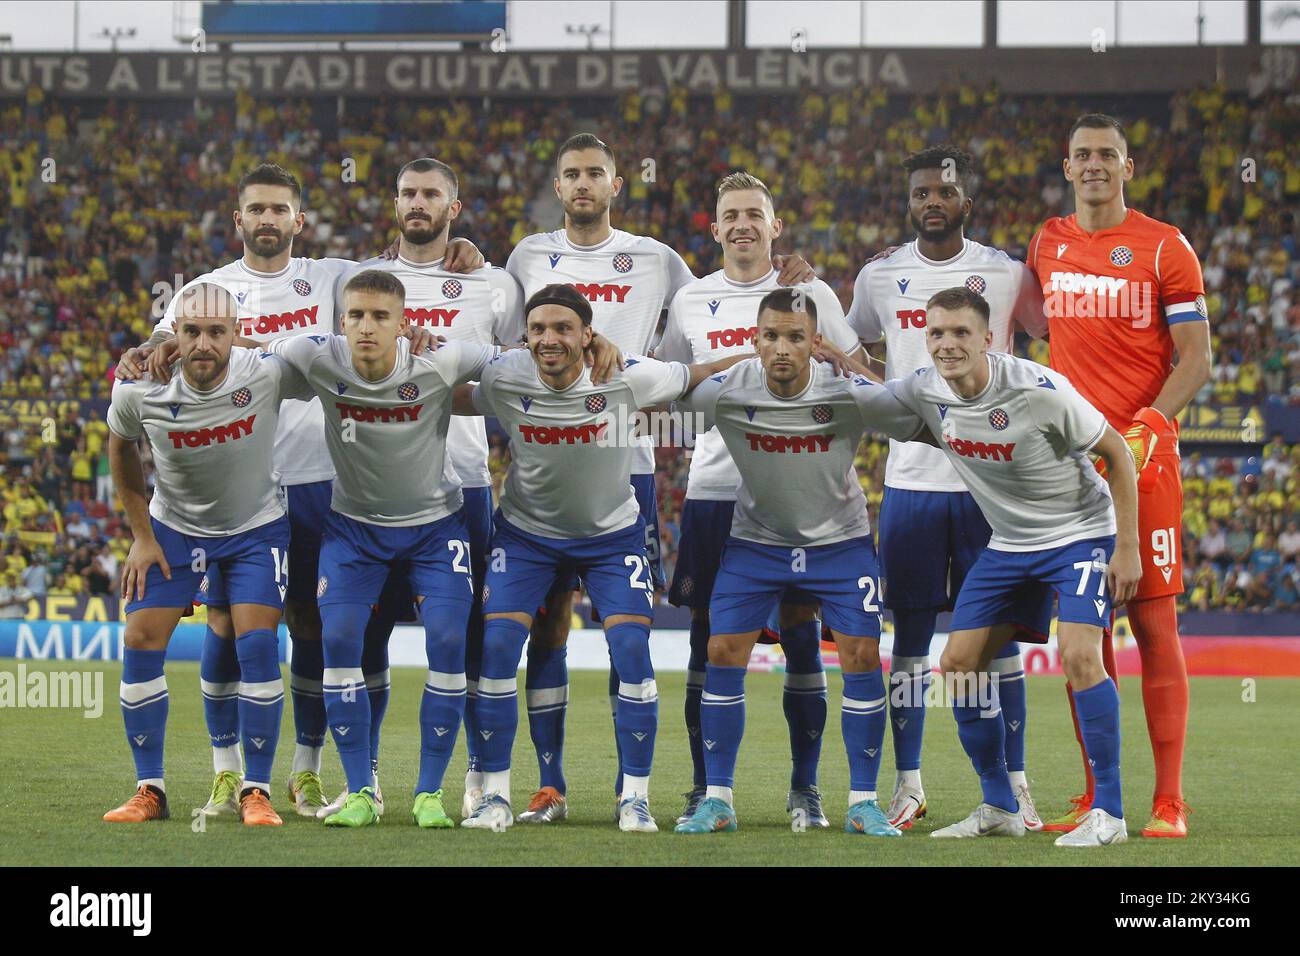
<point x="395" y="507"/>
<point x="923" y="574"/>
<point x="212" y="429"/>
<point x="793" y="429"/>
<point x="710" y="319"/>
<point x="568" y="508"/>
<point x="1018" y="435"/>
<point x="629" y="281"/>
<point x="279" y="296"/>
<point x="479" y="307"/>
<point x="1124" y="296"/>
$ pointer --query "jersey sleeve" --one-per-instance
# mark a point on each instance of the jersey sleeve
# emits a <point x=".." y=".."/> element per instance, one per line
<point x="703" y="401"/>
<point x="507" y="307"/>
<point x="1065" y="414"/>
<point x="461" y="362"/>
<point x="882" y="410"/>
<point x="515" y="262"/>
<point x="345" y="271"/>
<point x="863" y="318"/>
<point x="1182" y="289"/>
<point x="124" y="411"/>
<point x="830" y="319"/>
<point x="673" y="345"/>
<point x="298" y="350"/>
<point x="653" y="382"/>
<point x="1027" y="310"/>
<point x="483" y="401"/>
<point x="291" y="382"/>
<point x="679" y="274"/>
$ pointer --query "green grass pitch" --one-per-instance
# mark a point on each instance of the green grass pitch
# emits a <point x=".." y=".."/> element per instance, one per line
<point x="64" y="771"/>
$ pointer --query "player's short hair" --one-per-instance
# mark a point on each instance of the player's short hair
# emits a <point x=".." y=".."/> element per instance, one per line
<point x="583" y="141"/>
<point x="1097" y="121"/>
<point x="789" y="301"/>
<point x="960" y="297"/>
<point x="428" y="164"/>
<point x="269" y="174"/>
<point x="378" y="281"/>
<point x="559" y="294"/>
<point x="743" y="180"/>
<point x="207" y="299"/>
<point x="944" y="156"/>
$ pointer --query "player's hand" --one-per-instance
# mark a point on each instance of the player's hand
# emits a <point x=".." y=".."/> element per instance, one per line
<point x="888" y="251"/>
<point x="422" y="340"/>
<point x="462" y="256"/>
<point x="143" y="555"/>
<point x="161" y="359"/>
<point x="603" y="358"/>
<point x="828" y="352"/>
<point x="792" y="270"/>
<point x="133" y="363"/>
<point x="1142" y="438"/>
<point x="1124" y="573"/>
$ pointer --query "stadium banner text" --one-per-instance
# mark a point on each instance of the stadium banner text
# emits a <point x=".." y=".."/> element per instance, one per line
<point x="380" y="73"/>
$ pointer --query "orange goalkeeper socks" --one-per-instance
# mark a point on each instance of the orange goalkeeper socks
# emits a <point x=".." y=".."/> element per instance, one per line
<point x="1164" y="688"/>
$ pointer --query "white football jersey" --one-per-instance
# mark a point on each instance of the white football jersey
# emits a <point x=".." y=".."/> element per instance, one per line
<point x="628" y="279"/>
<point x="571" y="450"/>
<point x="795" y="455"/>
<point x="889" y="300"/>
<point x="1020" y="446"/>
<point x="212" y="451"/>
<point x="388" y="439"/>
<point x="715" y="318"/>
<point x="298" y="300"/>
<point x="478" y="308"/>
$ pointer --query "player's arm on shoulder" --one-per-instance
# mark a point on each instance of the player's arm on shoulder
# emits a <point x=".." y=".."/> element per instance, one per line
<point x="292" y="383"/>
<point x="1125" y="569"/>
<point x="507" y="307"/>
<point x="462" y="256"/>
<point x="702" y="400"/>
<point x="883" y="410"/>
<point x="793" y="269"/>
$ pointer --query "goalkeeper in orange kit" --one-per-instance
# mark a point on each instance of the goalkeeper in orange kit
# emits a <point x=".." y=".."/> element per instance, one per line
<point x="1124" y="301"/>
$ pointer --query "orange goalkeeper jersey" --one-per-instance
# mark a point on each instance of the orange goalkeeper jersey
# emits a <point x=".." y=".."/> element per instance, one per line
<point x="1110" y="297"/>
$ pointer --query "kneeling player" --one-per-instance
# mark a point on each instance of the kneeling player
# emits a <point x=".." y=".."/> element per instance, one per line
<point x="792" y="427"/>
<point x="212" y="429"/>
<point x="568" y="507"/>
<point x="1018" y="434"/>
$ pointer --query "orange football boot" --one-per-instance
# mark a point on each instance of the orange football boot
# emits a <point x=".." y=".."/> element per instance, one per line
<point x="1168" y="819"/>
<point x="256" y="811"/>
<point x="1080" y="805"/>
<point x="149" y="803"/>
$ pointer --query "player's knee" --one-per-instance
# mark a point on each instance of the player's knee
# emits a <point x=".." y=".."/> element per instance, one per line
<point x="957" y="661"/>
<point x="142" y="639"/>
<point x="858" y="655"/>
<point x="503" y="645"/>
<point x="552" y="628"/>
<point x="1081" y="661"/>
<point x="792" y="615"/>
<point x="730" y="650"/>
<point x="220" y="623"/>
<point x="303" y="619"/>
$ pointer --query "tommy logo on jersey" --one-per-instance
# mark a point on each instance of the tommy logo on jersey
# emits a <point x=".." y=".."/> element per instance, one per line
<point x="434" y="317"/>
<point x="564" y="434"/>
<point x="979" y="449"/>
<point x="302" y="286"/>
<point x="281" y="321"/>
<point x="240" y="397"/>
<point x="782" y="444"/>
<point x="725" y="338"/>
<point x="606" y="291"/>
<point x="202" y="437"/>
<point x="451" y="289"/>
<point x="363" y="413"/>
<point x="622" y="262"/>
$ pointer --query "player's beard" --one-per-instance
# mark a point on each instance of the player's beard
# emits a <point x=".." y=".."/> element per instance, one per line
<point x="421" y="232"/>
<point x="204" y="375"/>
<point x="257" y="244"/>
<point x="586" y="217"/>
<point x="937" y="235"/>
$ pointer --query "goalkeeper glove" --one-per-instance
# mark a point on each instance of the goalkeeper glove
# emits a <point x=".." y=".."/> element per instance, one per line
<point x="1142" y="437"/>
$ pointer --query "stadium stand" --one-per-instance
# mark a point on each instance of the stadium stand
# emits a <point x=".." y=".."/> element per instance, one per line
<point x="140" y="196"/>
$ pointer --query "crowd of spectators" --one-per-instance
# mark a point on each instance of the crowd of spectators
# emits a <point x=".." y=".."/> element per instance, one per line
<point x="110" y="205"/>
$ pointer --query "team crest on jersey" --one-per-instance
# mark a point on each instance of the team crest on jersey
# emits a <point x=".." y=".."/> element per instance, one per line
<point x="686" y="585"/>
<point x="321" y="586"/>
<point x="451" y="289"/>
<point x="203" y="585"/>
<point x="713" y="306"/>
<point x="622" y="262"/>
<point x="749" y="411"/>
<point x="302" y="286"/>
<point x="902" y="286"/>
<point x="976" y="284"/>
<point x="595" y="404"/>
<point x="1201" y="308"/>
<point x="555" y="259"/>
<point x="487" y="592"/>
<point x="999" y="419"/>
<point x="174" y="409"/>
<point x="1121" y="256"/>
<point x="822" y="414"/>
<point x="240" y="397"/>
<point x="408" y="391"/>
